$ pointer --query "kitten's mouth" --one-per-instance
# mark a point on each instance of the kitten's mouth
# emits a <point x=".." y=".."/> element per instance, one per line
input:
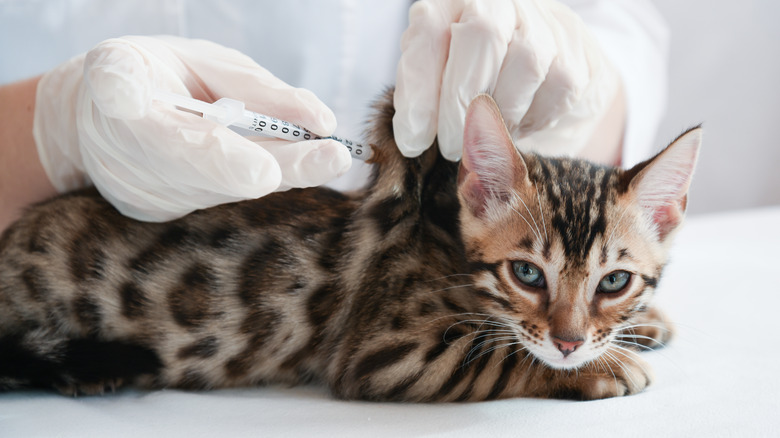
<point x="565" y="363"/>
<point x="557" y="360"/>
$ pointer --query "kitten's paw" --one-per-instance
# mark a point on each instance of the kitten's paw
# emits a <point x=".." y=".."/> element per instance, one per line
<point x="624" y="373"/>
<point x="628" y="374"/>
<point x="651" y="331"/>
<point x="75" y="389"/>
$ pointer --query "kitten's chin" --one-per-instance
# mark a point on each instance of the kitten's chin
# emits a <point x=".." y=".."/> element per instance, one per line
<point x="565" y="363"/>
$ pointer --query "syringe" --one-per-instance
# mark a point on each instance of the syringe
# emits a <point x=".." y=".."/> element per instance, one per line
<point x="231" y="112"/>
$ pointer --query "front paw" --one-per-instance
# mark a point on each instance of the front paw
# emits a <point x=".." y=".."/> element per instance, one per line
<point x="650" y="331"/>
<point x="75" y="389"/>
<point x="624" y="373"/>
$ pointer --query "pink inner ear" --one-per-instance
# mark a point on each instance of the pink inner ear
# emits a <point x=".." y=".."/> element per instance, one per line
<point x="489" y="165"/>
<point x="661" y="187"/>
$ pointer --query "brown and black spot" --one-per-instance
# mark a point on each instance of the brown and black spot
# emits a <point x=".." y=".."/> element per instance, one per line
<point x="223" y="237"/>
<point x="649" y="281"/>
<point x="36" y="284"/>
<point x="260" y="323"/>
<point x="134" y="300"/>
<point x="426" y="308"/>
<point x="604" y="255"/>
<point x="190" y="302"/>
<point x="201" y="349"/>
<point x="239" y="365"/>
<point x="193" y="380"/>
<point x="39" y="239"/>
<point x="269" y="268"/>
<point x="526" y="244"/>
<point x="87" y="313"/>
<point x="86" y="256"/>
<point x="322" y="304"/>
<point x="170" y="240"/>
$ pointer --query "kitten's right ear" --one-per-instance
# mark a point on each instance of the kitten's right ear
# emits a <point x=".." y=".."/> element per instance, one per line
<point x="490" y="165"/>
<point x="661" y="183"/>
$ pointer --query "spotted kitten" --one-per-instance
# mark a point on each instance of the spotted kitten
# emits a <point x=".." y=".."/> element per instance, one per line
<point x="438" y="282"/>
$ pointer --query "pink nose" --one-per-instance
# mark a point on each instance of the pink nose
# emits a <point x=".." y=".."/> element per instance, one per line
<point x="567" y="346"/>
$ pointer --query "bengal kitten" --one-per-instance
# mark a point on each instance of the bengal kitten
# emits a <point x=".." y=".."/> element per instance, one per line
<point x="509" y="275"/>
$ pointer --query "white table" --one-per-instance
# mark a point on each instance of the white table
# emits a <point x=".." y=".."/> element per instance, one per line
<point x="719" y="377"/>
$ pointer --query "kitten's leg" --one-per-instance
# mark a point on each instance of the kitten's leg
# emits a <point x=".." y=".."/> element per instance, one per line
<point x="650" y="330"/>
<point x="618" y="372"/>
<point x="73" y="366"/>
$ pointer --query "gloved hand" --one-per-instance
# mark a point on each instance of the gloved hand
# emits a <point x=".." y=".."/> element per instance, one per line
<point x="95" y="120"/>
<point x="535" y="57"/>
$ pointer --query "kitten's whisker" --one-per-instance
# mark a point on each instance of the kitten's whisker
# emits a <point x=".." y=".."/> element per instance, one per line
<point x="541" y="214"/>
<point x="531" y="215"/>
<point x="470" y="356"/>
<point x="631" y="355"/>
<point x="633" y="326"/>
<point x="603" y="362"/>
<point x="496" y="347"/>
<point x="536" y="233"/>
<point x="622" y="366"/>
<point x="449" y="276"/>
<point x="513" y="352"/>
<point x="636" y="344"/>
<point x="635" y="336"/>
<point x="444" y="289"/>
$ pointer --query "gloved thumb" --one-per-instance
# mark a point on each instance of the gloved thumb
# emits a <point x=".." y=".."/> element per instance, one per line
<point x="119" y="75"/>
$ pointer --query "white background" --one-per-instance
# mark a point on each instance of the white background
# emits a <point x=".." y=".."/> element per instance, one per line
<point x="724" y="72"/>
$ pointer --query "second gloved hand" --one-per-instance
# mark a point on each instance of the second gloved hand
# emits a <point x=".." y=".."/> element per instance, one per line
<point x="546" y="72"/>
<point x="95" y="121"/>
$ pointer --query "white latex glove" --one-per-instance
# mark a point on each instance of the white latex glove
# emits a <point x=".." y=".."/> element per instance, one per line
<point x="95" y="121"/>
<point x="535" y="57"/>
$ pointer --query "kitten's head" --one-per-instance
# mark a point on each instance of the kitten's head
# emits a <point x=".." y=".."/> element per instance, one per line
<point x="565" y="251"/>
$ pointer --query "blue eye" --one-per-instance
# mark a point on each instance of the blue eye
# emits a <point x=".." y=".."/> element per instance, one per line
<point x="614" y="282"/>
<point x="528" y="274"/>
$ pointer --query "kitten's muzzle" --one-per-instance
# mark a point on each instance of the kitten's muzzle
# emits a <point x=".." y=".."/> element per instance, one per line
<point x="567" y="346"/>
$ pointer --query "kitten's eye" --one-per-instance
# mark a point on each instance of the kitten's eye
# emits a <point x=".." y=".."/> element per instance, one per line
<point x="614" y="282"/>
<point x="528" y="274"/>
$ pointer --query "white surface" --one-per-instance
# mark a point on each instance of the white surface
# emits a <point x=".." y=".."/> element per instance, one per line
<point x="717" y="378"/>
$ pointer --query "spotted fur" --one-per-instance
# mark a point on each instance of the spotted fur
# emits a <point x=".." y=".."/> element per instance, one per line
<point x="404" y="291"/>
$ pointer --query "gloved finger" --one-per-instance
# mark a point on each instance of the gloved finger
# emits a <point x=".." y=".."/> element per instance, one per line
<point x="203" y="154"/>
<point x="225" y="72"/>
<point x="308" y="163"/>
<point x="120" y="75"/>
<point x="424" y="51"/>
<point x="182" y="150"/>
<point x="477" y="50"/>
<point x="567" y="78"/>
<point x="528" y="59"/>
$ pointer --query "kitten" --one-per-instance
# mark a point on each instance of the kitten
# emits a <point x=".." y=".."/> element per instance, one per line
<point x="439" y="282"/>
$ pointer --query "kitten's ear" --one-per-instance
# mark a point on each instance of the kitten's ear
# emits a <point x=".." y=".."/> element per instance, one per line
<point x="661" y="183"/>
<point x="490" y="165"/>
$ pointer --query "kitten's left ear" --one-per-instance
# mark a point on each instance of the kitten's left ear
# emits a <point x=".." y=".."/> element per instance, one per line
<point x="491" y="165"/>
<point x="661" y="183"/>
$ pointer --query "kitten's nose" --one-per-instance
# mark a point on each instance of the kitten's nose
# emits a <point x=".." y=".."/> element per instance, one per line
<point x="567" y="346"/>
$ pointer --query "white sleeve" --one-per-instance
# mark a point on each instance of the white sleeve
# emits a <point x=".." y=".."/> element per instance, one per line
<point x="635" y="38"/>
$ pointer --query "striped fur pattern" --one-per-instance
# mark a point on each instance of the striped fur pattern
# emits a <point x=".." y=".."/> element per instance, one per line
<point x="406" y="291"/>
